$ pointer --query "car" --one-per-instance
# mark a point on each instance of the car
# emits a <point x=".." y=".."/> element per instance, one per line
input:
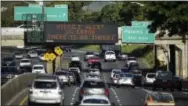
<point x="122" y="56"/>
<point x="25" y="62"/>
<point x="94" y="59"/>
<point x="8" y="60"/>
<point x="75" y="58"/>
<point x="159" y="99"/>
<point x="150" y="78"/>
<point x="138" y="79"/>
<point x="93" y="87"/>
<point x="18" y="55"/>
<point x="133" y="65"/>
<point x="63" y="76"/>
<point x="8" y="73"/>
<point x="96" y="65"/>
<point x="165" y="80"/>
<point x="74" y="69"/>
<point x="94" y="100"/>
<point x="94" y="71"/>
<point x="46" y="89"/>
<point x="41" y="57"/>
<point x="72" y="77"/>
<point x="76" y="64"/>
<point x="115" y="78"/>
<point x="125" y="79"/>
<point x="110" y="56"/>
<point x="77" y="76"/>
<point x="88" y="55"/>
<point x="32" y="54"/>
<point x="93" y="76"/>
<point x="38" y="68"/>
<point x="114" y="71"/>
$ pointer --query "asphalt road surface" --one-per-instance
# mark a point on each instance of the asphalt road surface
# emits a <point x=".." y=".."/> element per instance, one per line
<point x="120" y="96"/>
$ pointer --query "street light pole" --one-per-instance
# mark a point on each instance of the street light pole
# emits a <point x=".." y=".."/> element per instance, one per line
<point x="167" y="57"/>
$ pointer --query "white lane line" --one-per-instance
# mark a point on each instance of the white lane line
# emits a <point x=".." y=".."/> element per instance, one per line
<point x="73" y="96"/>
<point x="118" y="100"/>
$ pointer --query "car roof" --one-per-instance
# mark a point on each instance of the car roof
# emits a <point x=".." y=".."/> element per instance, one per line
<point x="46" y="77"/>
<point x="88" y="79"/>
<point x="38" y="65"/>
<point x="96" y="96"/>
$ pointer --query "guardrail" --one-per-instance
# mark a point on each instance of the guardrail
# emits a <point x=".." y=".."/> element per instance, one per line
<point x="14" y="86"/>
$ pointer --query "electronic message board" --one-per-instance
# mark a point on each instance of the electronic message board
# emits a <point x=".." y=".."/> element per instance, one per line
<point x="70" y="32"/>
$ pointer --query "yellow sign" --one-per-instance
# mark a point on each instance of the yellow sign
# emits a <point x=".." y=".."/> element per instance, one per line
<point x="46" y="56"/>
<point x="49" y="56"/>
<point x="52" y="56"/>
<point x="58" y="51"/>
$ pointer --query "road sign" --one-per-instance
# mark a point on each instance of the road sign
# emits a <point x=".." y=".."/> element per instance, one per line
<point x="46" y="56"/>
<point x="56" y="14"/>
<point x="58" y="51"/>
<point x="52" y="56"/>
<point x="34" y="5"/>
<point x="141" y="23"/>
<point x="20" y="12"/>
<point x="61" y="6"/>
<point x="135" y="30"/>
<point x="138" y="38"/>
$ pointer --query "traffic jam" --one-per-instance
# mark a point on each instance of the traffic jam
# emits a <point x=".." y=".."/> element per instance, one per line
<point x="94" y="90"/>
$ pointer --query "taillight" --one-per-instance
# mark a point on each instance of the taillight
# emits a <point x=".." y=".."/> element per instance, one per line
<point x="30" y="91"/>
<point x="81" y="91"/>
<point x="106" y="91"/>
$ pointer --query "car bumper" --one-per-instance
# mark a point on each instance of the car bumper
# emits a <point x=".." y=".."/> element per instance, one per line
<point x="45" y="100"/>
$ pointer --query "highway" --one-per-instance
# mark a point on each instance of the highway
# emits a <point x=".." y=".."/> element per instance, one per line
<point x="120" y="96"/>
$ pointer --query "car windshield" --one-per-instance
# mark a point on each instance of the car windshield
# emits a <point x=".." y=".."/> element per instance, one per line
<point x="110" y="52"/>
<point x="89" y="53"/>
<point x="38" y="67"/>
<point x="116" y="71"/>
<point x="151" y="75"/>
<point x="45" y="85"/>
<point x="125" y="75"/>
<point x="61" y="73"/>
<point x="162" y="97"/>
<point x="95" y="101"/>
<point x="24" y="60"/>
<point x="93" y="84"/>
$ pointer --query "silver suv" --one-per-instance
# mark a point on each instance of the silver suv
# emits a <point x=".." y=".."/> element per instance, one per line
<point x="46" y="89"/>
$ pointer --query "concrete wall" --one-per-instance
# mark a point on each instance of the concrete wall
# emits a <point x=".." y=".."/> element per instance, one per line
<point x="12" y="42"/>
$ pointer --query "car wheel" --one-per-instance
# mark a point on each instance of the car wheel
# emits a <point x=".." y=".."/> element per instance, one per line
<point x="133" y="86"/>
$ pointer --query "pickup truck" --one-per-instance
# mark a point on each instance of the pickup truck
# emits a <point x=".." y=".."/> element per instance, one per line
<point x="12" y="31"/>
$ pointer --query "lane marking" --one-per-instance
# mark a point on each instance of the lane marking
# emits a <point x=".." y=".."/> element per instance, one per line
<point x="73" y="96"/>
<point x="23" y="101"/>
<point x="118" y="100"/>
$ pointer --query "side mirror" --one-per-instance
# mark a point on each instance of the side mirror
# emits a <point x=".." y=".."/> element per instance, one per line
<point x="112" y="104"/>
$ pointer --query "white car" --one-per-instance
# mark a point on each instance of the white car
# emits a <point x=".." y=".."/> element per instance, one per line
<point x="75" y="58"/>
<point x="94" y="71"/>
<point x="74" y="69"/>
<point x="126" y="79"/>
<point x="41" y="57"/>
<point x="150" y="78"/>
<point x="63" y="76"/>
<point x="88" y="55"/>
<point x="32" y="54"/>
<point x="95" y="100"/>
<point x="110" y="56"/>
<point x="46" y="89"/>
<point x="114" y="71"/>
<point x="129" y="62"/>
<point x="18" y="55"/>
<point x="92" y="76"/>
<point x="38" y="69"/>
<point x="25" y="62"/>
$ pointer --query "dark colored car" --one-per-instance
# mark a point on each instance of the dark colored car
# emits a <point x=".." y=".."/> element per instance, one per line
<point x="122" y="56"/>
<point x="8" y="60"/>
<point x="133" y="66"/>
<point x="76" y="64"/>
<point x="26" y="68"/>
<point x="8" y="73"/>
<point x="96" y="65"/>
<point x="165" y="79"/>
<point x="138" y="79"/>
<point x="77" y="77"/>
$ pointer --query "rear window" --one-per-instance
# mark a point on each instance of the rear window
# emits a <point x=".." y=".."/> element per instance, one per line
<point x="93" y="84"/>
<point x="89" y="53"/>
<point x="25" y="61"/>
<point x="151" y="75"/>
<point x="95" y="101"/>
<point x="110" y="53"/>
<point x="162" y="98"/>
<point x="61" y="73"/>
<point x="125" y="75"/>
<point x="45" y="85"/>
<point x="38" y="67"/>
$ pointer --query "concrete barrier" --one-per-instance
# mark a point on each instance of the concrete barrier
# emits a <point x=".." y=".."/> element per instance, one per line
<point x="14" y="86"/>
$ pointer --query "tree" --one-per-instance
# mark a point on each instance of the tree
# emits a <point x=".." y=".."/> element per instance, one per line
<point x="171" y="16"/>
